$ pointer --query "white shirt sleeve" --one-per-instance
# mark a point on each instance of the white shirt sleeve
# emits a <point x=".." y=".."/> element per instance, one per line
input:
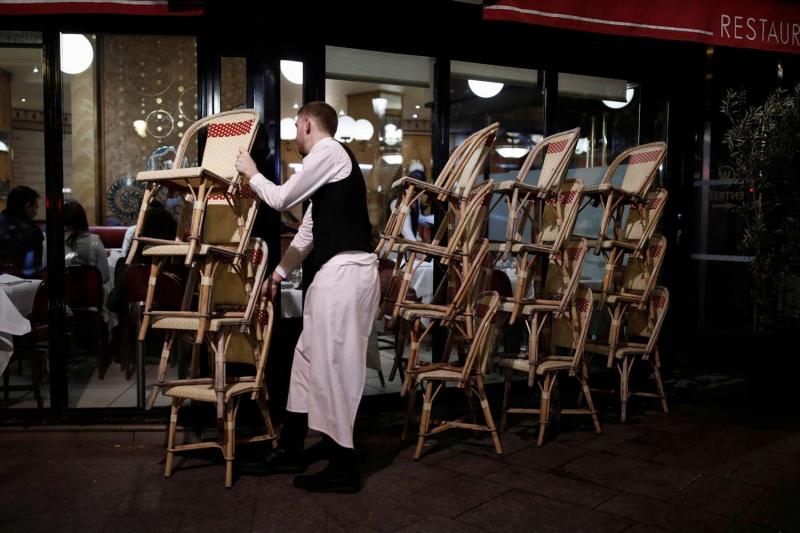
<point x="300" y="247"/>
<point x="326" y="161"/>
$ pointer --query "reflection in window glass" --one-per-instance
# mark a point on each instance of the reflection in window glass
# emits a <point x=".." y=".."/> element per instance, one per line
<point x="25" y="378"/>
<point x="128" y="101"/>
<point x="483" y="94"/>
<point x="233" y="87"/>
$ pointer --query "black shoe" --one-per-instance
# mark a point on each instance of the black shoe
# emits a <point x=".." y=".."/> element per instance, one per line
<point x="279" y="461"/>
<point x="331" y="479"/>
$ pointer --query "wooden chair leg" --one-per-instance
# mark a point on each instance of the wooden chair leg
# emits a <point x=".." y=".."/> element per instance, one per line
<point x="155" y="269"/>
<point x="487" y="413"/>
<point x="230" y="441"/>
<point x="411" y="400"/>
<point x="471" y="405"/>
<point x="506" y="394"/>
<point x="262" y="406"/>
<point x="412" y="356"/>
<point x="173" y="424"/>
<point x="425" y="418"/>
<point x="655" y="363"/>
<point x="544" y="407"/>
<point x="589" y="402"/>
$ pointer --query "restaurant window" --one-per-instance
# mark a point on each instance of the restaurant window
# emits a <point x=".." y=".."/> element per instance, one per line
<point x="24" y="347"/>
<point x="384" y="102"/>
<point x="608" y="112"/>
<point x="127" y="102"/>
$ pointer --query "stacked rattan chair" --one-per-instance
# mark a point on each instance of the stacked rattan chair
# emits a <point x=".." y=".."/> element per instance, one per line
<point x="564" y="352"/>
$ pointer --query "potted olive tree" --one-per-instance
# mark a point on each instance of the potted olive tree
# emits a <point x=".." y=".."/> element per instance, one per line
<point x="764" y="146"/>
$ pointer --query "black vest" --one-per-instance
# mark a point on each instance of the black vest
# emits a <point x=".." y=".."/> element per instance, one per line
<point x="340" y="216"/>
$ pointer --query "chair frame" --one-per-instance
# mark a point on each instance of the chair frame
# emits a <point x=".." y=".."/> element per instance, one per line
<point x="613" y="198"/>
<point x="578" y="319"/>
<point x="468" y="377"/>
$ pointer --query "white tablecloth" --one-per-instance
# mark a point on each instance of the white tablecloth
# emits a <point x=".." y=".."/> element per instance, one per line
<point x="291" y="301"/>
<point x="16" y="302"/>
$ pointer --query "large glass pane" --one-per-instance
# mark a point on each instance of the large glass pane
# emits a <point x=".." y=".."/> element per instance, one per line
<point x="608" y="112"/>
<point x="384" y="103"/>
<point x="128" y="100"/>
<point x="23" y="297"/>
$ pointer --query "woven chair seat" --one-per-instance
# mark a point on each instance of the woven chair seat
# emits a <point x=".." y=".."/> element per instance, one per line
<point x="440" y="372"/>
<point x="206" y="393"/>
<point x="183" y="249"/>
<point x="621" y="297"/>
<point x="510" y="185"/>
<point x="179" y="175"/>
<point x="530" y="247"/>
<point x="522" y="365"/>
<point x="411" y="312"/>
<point x="603" y="188"/>
<point x="424" y="185"/>
<point x="193" y="323"/>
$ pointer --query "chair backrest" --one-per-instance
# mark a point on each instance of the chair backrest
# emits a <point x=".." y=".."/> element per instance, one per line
<point x="558" y="150"/>
<point x="564" y="272"/>
<point x="642" y="164"/>
<point x="265" y="320"/>
<point x="647" y="322"/>
<point x="83" y="287"/>
<point x="484" y="324"/>
<point x="470" y="277"/>
<point x="641" y="272"/>
<point x="560" y="213"/>
<point x="643" y="217"/>
<point x="472" y="224"/>
<point x="226" y="133"/>
<point x="229" y="217"/>
<point x="236" y="288"/>
<point x="467" y="161"/>
<point x="568" y="330"/>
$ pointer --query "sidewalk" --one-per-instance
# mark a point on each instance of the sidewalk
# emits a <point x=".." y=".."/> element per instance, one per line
<point x="704" y="467"/>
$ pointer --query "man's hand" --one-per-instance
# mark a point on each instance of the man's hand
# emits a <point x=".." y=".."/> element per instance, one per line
<point x="245" y="164"/>
<point x="270" y="286"/>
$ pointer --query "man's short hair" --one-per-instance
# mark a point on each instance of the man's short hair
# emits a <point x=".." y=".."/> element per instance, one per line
<point x="18" y="198"/>
<point x="323" y="114"/>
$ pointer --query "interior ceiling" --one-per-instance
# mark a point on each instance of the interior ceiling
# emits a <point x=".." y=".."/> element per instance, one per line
<point x="19" y="62"/>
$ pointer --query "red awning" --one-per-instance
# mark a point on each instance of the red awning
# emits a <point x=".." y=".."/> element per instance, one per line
<point x="766" y="24"/>
<point x="100" y="7"/>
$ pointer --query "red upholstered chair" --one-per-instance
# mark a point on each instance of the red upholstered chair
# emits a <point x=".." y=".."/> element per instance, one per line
<point x="83" y="293"/>
<point x="112" y="236"/>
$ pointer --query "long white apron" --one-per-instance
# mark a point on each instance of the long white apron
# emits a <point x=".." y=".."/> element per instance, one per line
<point x="330" y="357"/>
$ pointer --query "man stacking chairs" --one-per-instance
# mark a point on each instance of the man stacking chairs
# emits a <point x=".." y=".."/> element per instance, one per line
<point x="642" y="329"/>
<point x="564" y="353"/>
<point x="467" y="376"/>
<point x="238" y="330"/>
<point x="454" y="185"/>
<point x="227" y="133"/>
<point x="641" y="167"/>
<point x="524" y="199"/>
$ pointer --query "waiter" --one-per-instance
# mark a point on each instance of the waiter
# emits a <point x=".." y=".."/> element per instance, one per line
<point x="340" y="305"/>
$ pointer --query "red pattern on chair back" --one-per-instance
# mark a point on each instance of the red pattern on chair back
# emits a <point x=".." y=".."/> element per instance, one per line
<point x="263" y="316"/>
<point x="230" y="129"/>
<point x="83" y="287"/>
<point x="556" y="147"/>
<point x="582" y="304"/>
<point x="256" y="257"/>
<point x="655" y="251"/>
<point x="489" y="140"/>
<point x="644" y="157"/>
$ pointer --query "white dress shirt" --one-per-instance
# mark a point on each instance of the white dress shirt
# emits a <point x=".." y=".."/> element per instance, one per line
<point x="327" y="162"/>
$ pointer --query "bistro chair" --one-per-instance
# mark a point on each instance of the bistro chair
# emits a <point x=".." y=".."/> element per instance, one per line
<point x="633" y="236"/>
<point x="454" y="184"/>
<point x="638" y="280"/>
<point x="84" y="295"/>
<point x="246" y="341"/>
<point x="232" y="300"/>
<point x="226" y="133"/>
<point x="558" y="220"/>
<point x="641" y="167"/>
<point x="565" y="354"/>
<point x="642" y="332"/>
<point x="467" y="376"/>
<point x="524" y="199"/>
